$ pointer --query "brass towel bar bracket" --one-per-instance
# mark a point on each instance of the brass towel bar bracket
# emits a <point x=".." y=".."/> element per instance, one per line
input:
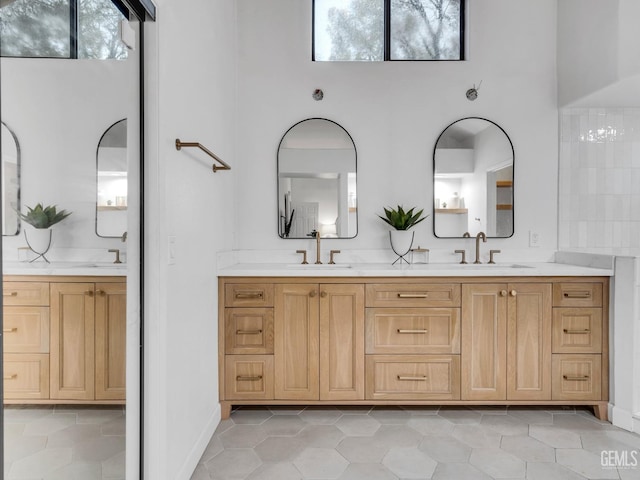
<point x="215" y="167"/>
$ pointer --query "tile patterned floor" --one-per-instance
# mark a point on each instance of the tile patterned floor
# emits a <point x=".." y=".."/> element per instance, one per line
<point x="64" y="443"/>
<point x="456" y="443"/>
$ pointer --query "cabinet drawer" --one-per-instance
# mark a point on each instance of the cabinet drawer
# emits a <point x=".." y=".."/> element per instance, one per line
<point x="577" y="330"/>
<point x="412" y="330"/>
<point x="248" y="330"/>
<point x="413" y="377"/>
<point x="249" y="377"/>
<point x="576" y="377"/>
<point x="413" y="295"/>
<point x="26" y="293"/>
<point x="577" y="295"/>
<point x="26" y="329"/>
<point x="248" y="295"/>
<point x="26" y="376"/>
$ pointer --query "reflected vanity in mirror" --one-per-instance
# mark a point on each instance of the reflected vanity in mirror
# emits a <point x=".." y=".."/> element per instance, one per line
<point x="317" y="181"/>
<point x="111" y="204"/>
<point x="10" y="181"/>
<point x="473" y="180"/>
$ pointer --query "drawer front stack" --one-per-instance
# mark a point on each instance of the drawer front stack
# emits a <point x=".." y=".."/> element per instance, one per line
<point x="26" y="340"/>
<point x="248" y="337"/>
<point x="412" y="334"/>
<point x="577" y="341"/>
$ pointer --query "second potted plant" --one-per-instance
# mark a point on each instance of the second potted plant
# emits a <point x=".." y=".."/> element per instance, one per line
<point x="402" y="221"/>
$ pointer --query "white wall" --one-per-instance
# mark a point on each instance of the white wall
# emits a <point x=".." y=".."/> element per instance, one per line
<point x="58" y="110"/>
<point x="190" y="95"/>
<point x="395" y="112"/>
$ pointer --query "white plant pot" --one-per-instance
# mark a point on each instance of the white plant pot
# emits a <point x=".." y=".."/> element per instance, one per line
<point x="38" y="240"/>
<point x="401" y="241"/>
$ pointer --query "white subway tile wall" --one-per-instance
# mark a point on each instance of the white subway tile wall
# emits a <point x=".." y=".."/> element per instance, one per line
<point x="599" y="180"/>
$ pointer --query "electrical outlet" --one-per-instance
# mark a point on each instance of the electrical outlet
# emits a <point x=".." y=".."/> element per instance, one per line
<point x="534" y="238"/>
<point x="171" y="250"/>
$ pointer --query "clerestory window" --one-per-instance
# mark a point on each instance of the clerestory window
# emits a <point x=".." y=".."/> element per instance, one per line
<point x="62" y="29"/>
<point x="382" y="30"/>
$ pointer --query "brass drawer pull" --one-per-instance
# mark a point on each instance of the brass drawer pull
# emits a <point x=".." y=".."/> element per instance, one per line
<point x="408" y="330"/>
<point x="577" y="294"/>
<point x="413" y="378"/>
<point x="576" y="378"/>
<point x="577" y="332"/>
<point x="248" y="332"/>
<point x="89" y="292"/>
<point x="10" y="330"/>
<point x="11" y="294"/>
<point x="248" y="378"/>
<point x="241" y="295"/>
<point x="10" y="377"/>
<point x="413" y="295"/>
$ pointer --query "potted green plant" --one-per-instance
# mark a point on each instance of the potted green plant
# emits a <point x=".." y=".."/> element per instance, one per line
<point x="41" y="219"/>
<point x="402" y="221"/>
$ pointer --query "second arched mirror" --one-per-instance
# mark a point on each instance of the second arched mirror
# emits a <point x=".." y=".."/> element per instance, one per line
<point x="473" y="163"/>
<point x="317" y="181"/>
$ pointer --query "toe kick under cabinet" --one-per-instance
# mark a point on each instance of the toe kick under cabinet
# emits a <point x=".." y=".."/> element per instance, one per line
<point x="64" y="339"/>
<point x="414" y="341"/>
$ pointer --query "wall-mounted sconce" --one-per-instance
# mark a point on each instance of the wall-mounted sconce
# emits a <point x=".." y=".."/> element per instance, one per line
<point x="317" y="94"/>
<point x="472" y="93"/>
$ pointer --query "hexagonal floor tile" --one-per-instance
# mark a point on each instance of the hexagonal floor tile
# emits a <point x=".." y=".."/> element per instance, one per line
<point x="554" y="436"/>
<point x="431" y="425"/>
<point x="445" y="449"/>
<point x="497" y="463"/>
<point x="284" y="425"/>
<point x="320" y="463"/>
<point x="321" y="436"/>
<point x="234" y="462"/>
<point x="251" y="415"/>
<point x="243" y="436"/>
<point x="528" y="448"/>
<point x="584" y="463"/>
<point x="409" y="463"/>
<point x="320" y="415"/>
<point x="279" y="449"/>
<point x="367" y="471"/>
<point x="358" y="425"/>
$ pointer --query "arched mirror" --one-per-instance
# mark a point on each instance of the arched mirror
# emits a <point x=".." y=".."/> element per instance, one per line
<point x="317" y="181"/>
<point x="111" y="202"/>
<point x="10" y="181"/>
<point x="473" y="180"/>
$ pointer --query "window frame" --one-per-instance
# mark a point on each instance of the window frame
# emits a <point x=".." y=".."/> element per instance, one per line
<point x="386" y="57"/>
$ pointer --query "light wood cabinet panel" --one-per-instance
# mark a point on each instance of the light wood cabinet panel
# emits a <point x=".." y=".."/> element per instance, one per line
<point x="26" y="329"/>
<point x="25" y="293"/>
<point x="484" y="336"/>
<point x="248" y="331"/>
<point x="577" y="377"/>
<point x="249" y="377"/>
<point x="72" y="341"/>
<point x="296" y="342"/>
<point x="413" y="295"/>
<point x="26" y="376"/>
<point x="529" y="342"/>
<point x="577" y="294"/>
<point x="249" y="295"/>
<point x="577" y="330"/>
<point x="341" y="342"/>
<point x="110" y="341"/>
<point x="412" y="330"/>
<point x="413" y="377"/>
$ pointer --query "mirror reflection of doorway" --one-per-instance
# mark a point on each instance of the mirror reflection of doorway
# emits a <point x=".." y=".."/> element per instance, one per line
<point x="71" y="328"/>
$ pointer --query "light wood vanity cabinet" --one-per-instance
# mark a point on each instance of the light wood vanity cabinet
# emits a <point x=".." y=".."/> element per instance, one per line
<point x="506" y="340"/>
<point x="64" y="339"/>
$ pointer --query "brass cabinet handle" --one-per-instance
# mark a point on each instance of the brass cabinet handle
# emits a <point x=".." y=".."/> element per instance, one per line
<point x="503" y="293"/>
<point x="313" y="293"/>
<point x="248" y="332"/>
<point x="248" y="378"/>
<point x="576" y="378"/>
<point x="10" y="330"/>
<point x="10" y="377"/>
<point x="89" y="293"/>
<point x="413" y="378"/>
<point x="323" y="294"/>
<point x="409" y="330"/>
<point x="513" y="293"/>
<point x="577" y="332"/>
<point x="240" y="295"/>
<point x="413" y="295"/>
<point x="586" y="294"/>
<point x="101" y="292"/>
<point x="10" y="294"/>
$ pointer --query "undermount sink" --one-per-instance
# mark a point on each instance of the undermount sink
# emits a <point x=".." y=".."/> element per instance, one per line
<point x="323" y="266"/>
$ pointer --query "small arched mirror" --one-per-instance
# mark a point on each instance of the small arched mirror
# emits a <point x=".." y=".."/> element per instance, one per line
<point x="111" y="204"/>
<point x="317" y="181"/>
<point x="10" y="181"/>
<point x="473" y="180"/>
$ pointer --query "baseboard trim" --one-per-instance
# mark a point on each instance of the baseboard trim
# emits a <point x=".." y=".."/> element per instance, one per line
<point x="622" y="418"/>
<point x="199" y="447"/>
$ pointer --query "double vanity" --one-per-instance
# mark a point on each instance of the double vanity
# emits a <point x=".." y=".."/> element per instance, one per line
<point x="64" y="333"/>
<point x="443" y="334"/>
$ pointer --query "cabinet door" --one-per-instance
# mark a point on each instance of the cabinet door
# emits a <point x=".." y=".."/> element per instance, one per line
<point x="296" y="342"/>
<point x="484" y="334"/>
<point x="111" y="340"/>
<point x="341" y="342"/>
<point x="529" y="341"/>
<point x="72" y="341"/>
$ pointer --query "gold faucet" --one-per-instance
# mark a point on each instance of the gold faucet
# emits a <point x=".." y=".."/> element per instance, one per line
<point x="316" y="234"/>
<point x="117" y="252"/>
<point x="484" y="239"/>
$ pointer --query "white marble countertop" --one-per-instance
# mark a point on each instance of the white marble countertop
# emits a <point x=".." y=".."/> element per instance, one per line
<point x="415" y="270"/>
<point x="93" y="269"/>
